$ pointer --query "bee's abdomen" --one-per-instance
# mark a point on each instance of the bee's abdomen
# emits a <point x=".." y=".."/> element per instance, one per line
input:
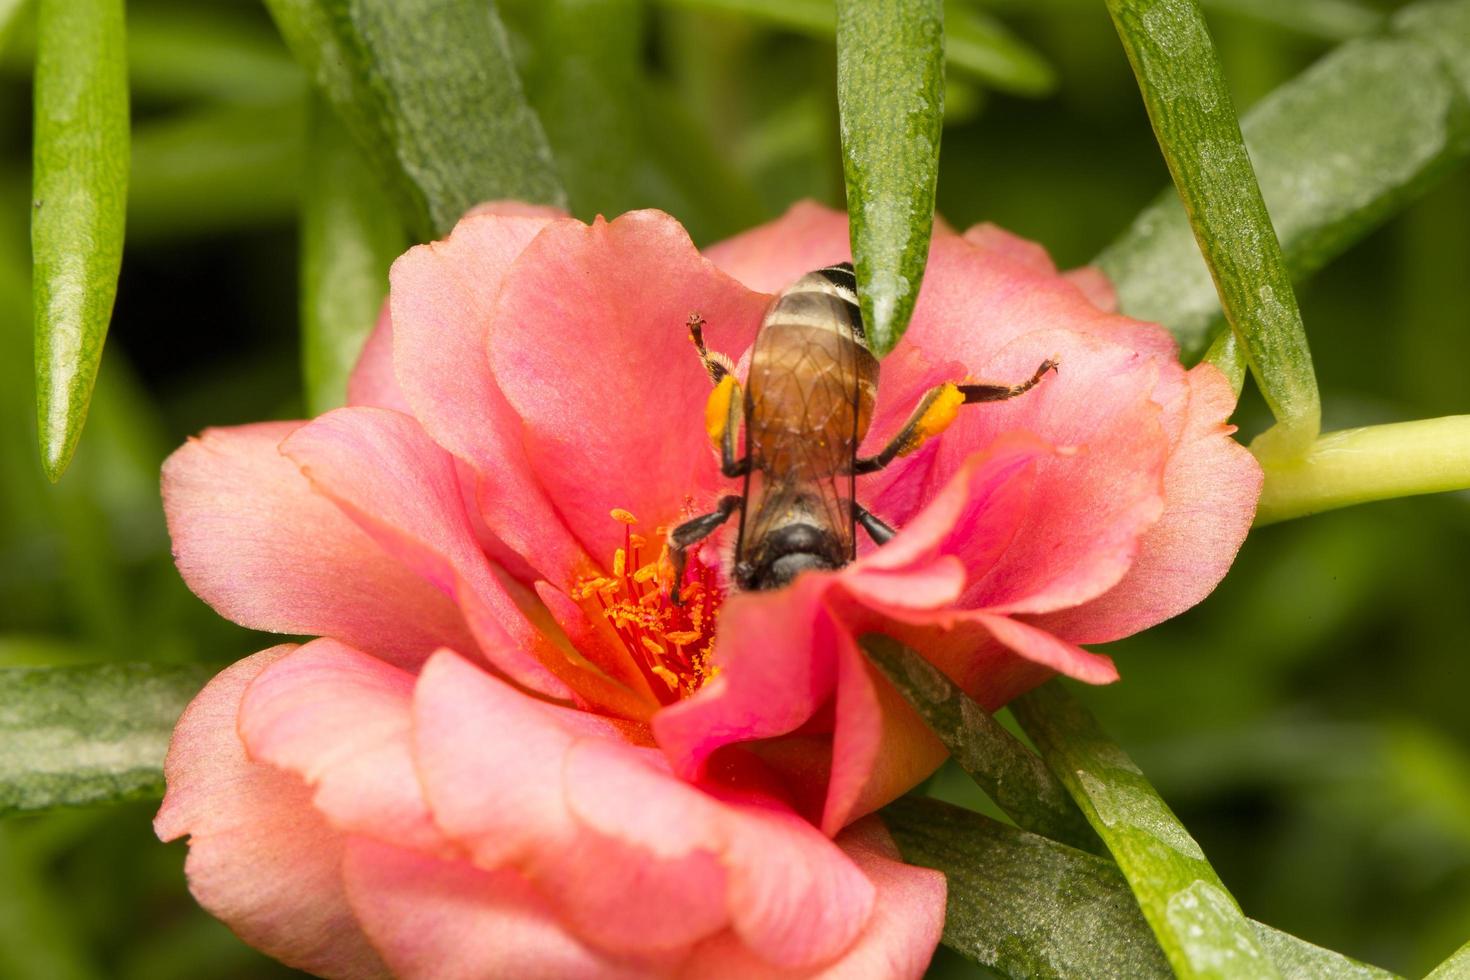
<point x="812" y="379"/>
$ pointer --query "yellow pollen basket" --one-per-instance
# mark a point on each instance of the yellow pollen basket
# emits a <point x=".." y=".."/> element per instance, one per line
<point x="717" y="408"/>
<point x="671" y="645"/>
<point x="938" y="416"/>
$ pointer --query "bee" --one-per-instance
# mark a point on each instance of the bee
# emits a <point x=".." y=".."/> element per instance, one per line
<point x="805" y="409"/>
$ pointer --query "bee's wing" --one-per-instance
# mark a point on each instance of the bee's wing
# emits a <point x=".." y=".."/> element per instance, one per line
<point x="806" y="427"/>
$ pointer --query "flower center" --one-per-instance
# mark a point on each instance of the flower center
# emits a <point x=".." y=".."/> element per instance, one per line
<point x="672" y="645"/>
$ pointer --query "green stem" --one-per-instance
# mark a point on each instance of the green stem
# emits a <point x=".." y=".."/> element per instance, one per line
<point x="1379" y="462"/>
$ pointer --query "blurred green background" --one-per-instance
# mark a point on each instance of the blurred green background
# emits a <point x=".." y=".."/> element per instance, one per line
<point x="1308" y="721"/>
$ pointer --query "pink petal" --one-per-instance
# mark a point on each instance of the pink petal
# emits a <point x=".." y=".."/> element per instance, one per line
<point x="1095" y="285"/>
<point x="975" y="515"/>
<point x="443" y="295"/>
<point x="1211" y="483"/>
<point x="505" y="802"/>
<point x="1094" y="498"/>
<point x="501" y="801"/>
<point x="775" y="653"/>
<point x="993" y="658"/>
<point x="1041" y="647"/>
<point x="899" y="938"/>
<point x="260" y="857"/>
<point x="387" y="475"/>
<point x="590" y="345"/>
<point x="881" y="749"/>
<point x="774" y="255"/>
<point x="255" y="542"/>
<point x="983" y="291"/>
<point x="442" y="920"/>
<point x="372" y="381"/>
<point x="340" y="720"/>
<point x="792" y="897"/>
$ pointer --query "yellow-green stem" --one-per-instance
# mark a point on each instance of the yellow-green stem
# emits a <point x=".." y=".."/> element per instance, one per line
<point x="1354" y="466"/>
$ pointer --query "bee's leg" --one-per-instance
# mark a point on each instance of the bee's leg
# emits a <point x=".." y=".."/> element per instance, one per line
<point x="693" y="531"/>
<point x="937" y="409"/>
<point x="718" y="366"/>
<point x="877" y="529"/>
<point x="722" y="420"/>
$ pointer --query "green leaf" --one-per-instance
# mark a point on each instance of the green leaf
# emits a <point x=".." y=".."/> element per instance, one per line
<point x="1457" y="967"/>
<point x="79" y="202"/>
<point x="429" y="91"/>
<point x="1337" y="151"/>
<point x="1033" y="909"/>
<point x="217" y="169"/>
<point x="1197" y="922"/>
<point x="349" y="236"/>
<point x="974" y="42"/>
<point x="1194" y="120"/>
<point x="80" y="735"/>
<point x="890" y="98"/>
<point x="1009" y="772"/>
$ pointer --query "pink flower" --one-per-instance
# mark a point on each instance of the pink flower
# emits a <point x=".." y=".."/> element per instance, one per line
<point x="511" y="753"/>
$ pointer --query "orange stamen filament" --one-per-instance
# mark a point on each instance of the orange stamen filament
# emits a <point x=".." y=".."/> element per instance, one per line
<point x="671" y="645"/>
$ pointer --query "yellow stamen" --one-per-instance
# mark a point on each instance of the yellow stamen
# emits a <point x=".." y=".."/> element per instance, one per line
<point x="671" y="644"/>
<point x="623" y="516"/>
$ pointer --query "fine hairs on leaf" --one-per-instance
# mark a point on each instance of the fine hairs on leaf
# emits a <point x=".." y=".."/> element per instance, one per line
<point x="1009" y="773"/>
<point x="1197" y="922"/>
<point x="1337" y="151"/>
<point x="78" y="208"/>
<point x="1189" y="105"/>
<point x="444" y="133"/>
<point x="890" y="97"/>
<point x="78" y="735"/>
<point x="1030" y="908"/>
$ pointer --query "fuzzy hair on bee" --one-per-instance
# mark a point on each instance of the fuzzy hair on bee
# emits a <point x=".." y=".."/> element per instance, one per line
<point x="804" y="410"/>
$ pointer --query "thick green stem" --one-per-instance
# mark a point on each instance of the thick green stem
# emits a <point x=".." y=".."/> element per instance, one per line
<point x="1379" y="462"/>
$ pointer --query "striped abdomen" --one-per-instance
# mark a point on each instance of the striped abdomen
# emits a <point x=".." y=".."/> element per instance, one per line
<point x="812" y="380"/>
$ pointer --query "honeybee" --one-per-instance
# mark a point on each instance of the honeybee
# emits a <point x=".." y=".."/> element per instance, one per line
<point x="805" y="409"/>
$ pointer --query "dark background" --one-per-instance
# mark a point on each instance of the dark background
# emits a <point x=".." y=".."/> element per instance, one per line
<point x="1307" y="722"/>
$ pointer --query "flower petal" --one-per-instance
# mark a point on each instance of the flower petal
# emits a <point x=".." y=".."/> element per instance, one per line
<point x="776" y="668"/>
<point x="400" y="487"/>
<point x="501" y="802"/>
<point x="792" y="896"/>
<point x="442" y="297"/>
<point x="899" y="938"/>
<point x="260" y="857"/>
<point x="505" y="802"/>
<point x="603" y="310"/>
<point x="1211" y="483"/>
<point x="1093" y="499"/>
<point x="881" y="748"/>
<point x="776" y="254"/>
<point x="984" y="290"/>
<point x="340" y="720"/>
<point x="254" y="541"/>
<point x="446" y="920"/>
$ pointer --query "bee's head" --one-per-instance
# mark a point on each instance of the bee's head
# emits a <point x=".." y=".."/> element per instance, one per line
<point x="788" y="552"/>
